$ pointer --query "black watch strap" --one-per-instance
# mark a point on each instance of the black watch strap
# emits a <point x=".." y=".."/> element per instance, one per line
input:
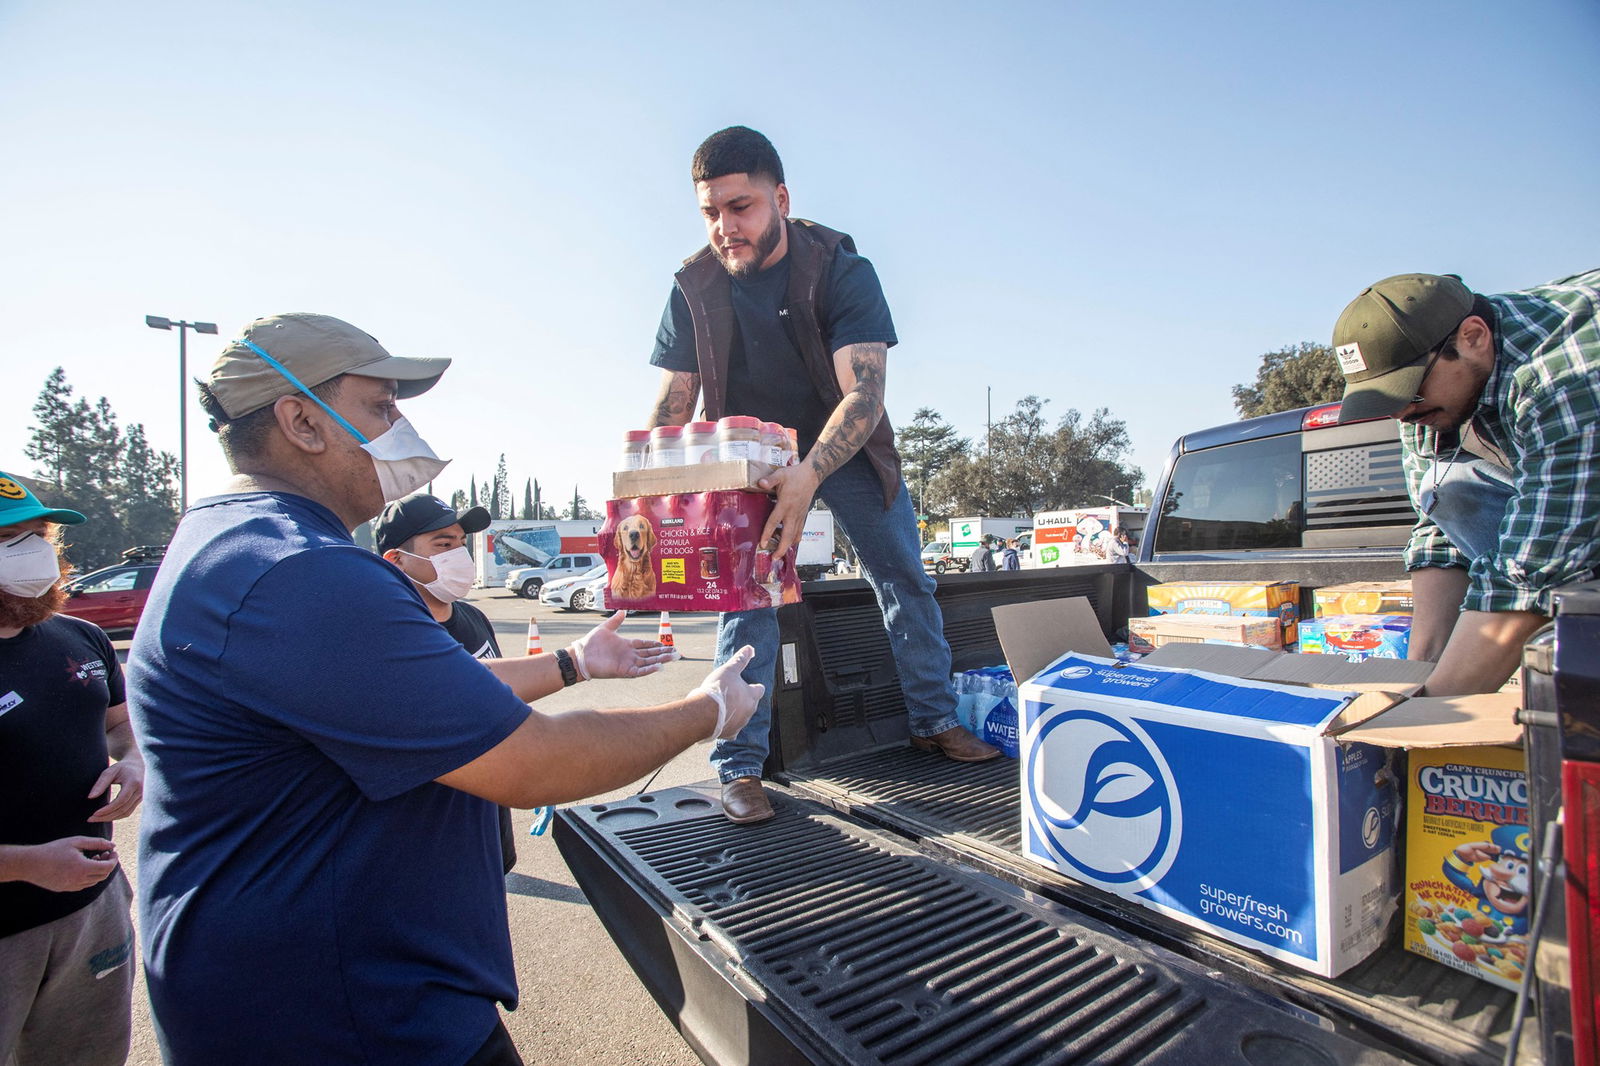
<point x="569" y="670"/>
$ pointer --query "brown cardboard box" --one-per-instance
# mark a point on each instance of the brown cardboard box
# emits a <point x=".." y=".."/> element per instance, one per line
<point x="1147" y="634"/>
<point x="703" y="477"/>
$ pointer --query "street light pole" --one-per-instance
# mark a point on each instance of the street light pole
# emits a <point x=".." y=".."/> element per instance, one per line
<point x="156" y="322"/>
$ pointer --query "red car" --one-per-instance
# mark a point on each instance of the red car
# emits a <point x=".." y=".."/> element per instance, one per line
<point x="113" y="598"/>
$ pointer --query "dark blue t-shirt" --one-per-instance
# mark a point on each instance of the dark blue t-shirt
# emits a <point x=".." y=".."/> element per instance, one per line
<point x="767" y="377"/>
<point x="307" y="892"/>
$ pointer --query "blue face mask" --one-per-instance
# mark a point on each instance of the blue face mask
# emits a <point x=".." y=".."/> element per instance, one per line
<point x="403" y="460"/>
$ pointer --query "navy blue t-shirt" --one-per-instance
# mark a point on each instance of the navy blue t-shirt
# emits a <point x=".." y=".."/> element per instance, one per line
<point x="307" y="892"/>
<point x="767" y="377"/>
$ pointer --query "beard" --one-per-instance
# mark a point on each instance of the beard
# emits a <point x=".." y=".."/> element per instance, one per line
<point x="765" y="245"/>
<point x="19" y="612"/>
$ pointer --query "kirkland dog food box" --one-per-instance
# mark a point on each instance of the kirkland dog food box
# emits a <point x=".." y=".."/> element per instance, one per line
<point x="693" y="551"/>
<point x="1468" y="854"/>
<point x="1357" y="636"/>
<point x="1362" y="597"/>
<point x="1216" y="786"/>
<point x="1276" y="599"/>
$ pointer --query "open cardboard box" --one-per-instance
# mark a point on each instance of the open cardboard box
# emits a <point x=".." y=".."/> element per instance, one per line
<point x="1242" y="791"/>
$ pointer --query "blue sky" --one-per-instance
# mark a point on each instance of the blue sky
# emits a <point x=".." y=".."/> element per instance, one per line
<point x="1106" y="205"/>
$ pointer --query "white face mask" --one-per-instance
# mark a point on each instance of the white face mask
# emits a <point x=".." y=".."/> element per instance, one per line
<point x="404" y="461"/>
<point x="28" y="566"/>
<point x="454" y="573"/>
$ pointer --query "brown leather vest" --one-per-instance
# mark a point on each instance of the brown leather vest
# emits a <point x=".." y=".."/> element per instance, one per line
<point x="708" y="291"/>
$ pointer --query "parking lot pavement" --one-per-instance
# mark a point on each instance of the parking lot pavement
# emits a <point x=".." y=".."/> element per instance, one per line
<point x="581" y="1002"/>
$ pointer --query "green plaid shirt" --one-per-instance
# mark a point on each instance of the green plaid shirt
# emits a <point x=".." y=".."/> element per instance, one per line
<point x="1541" y="408"/>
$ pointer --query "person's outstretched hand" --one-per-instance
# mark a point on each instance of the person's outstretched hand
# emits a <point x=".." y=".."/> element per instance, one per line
<point x="602" y="652"/>
<point x="735" y="697"/>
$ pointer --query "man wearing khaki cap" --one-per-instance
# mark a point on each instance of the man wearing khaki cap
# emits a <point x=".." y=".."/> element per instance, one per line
<point x="320" y="863"/>
<point x="1500" y="400"/>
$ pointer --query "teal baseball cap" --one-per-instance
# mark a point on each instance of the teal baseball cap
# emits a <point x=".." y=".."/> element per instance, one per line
<point x="17" y="504"/>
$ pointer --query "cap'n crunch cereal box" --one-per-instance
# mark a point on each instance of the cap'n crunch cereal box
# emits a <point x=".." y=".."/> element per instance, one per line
<point x="1469" y="850"/>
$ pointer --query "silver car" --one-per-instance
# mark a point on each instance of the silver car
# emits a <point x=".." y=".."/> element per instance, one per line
<point x="575" y="593"/>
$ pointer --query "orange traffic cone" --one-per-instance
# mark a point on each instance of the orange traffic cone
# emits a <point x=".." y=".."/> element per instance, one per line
<point x="534" y="648"/>
<point x="664" y="631"/>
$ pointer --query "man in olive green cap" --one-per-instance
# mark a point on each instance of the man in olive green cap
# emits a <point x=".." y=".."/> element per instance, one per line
<point x="1500" y="400"/>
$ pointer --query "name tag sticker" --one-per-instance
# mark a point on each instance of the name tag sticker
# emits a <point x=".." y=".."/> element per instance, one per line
<point x="9" y="700"/>
<point x="1350" y="361"/>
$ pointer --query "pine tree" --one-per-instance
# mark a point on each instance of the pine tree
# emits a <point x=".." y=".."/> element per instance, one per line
<point x="527" y="499"/>
<point x="501" y="508"/>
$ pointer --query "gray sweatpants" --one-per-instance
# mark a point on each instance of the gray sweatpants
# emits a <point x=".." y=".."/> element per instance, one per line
<point x="66" y="986"/>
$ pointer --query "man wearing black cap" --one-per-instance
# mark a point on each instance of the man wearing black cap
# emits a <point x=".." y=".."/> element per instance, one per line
<point x="66" y="942"/>
<point x="320" y="876"/>
<point x="1500" y="400"/>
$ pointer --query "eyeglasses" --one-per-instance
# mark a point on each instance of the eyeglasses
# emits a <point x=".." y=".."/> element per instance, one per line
<point x="1433" y="357"/>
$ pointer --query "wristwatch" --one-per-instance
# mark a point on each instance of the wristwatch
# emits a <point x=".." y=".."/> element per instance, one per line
<point x="569" y="670"/>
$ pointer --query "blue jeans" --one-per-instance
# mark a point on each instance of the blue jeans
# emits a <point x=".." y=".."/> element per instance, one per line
<point x="890" y="554"/>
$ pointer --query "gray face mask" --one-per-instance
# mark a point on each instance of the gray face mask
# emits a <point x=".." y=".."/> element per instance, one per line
<point x="402" y="459"/>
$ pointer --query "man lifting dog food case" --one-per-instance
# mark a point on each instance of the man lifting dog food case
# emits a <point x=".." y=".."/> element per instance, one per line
<point x="780" y="319"/>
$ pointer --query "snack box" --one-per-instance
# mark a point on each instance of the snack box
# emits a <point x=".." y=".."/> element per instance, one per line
<point x="1357" y="637"/>
<point x="1218" y="787"/>
<point x="1148" y="634"/>
<point x="1276" y="599"/>
<point x="693" y="551"/>
<point x="1362" y="597"/>
<point x="1469" y="849"/>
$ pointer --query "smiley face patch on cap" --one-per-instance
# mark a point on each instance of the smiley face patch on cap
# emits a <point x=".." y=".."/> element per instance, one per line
<point x="10" y="490"/>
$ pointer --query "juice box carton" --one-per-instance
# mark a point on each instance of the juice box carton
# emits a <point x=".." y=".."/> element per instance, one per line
<point x="1357" y="637"/>
<point x="693" y="551"/>
<point x="1362" y="597"/>
<point x="1147" y="634"/>
<point x="1468" y="851"/>
<point x="1275" y="599"/>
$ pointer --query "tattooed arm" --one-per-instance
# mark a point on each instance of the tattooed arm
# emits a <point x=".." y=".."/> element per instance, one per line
<point x="675" y="402"/>
<point x="860" y="369"/>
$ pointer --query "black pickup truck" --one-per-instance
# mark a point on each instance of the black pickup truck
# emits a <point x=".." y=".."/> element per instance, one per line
<point x="885" y="915"/>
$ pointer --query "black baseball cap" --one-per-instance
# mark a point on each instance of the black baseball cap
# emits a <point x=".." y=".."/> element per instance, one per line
<point x="415" y="515"/>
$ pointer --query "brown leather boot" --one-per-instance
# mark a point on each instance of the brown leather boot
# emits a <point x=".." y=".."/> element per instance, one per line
<point x="956" y="743"/>
<point x="744" y="801"/>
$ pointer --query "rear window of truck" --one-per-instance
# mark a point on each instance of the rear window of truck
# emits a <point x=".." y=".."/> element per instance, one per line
<point x="1234" y="498"/>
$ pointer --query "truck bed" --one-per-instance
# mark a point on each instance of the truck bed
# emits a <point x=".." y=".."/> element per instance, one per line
<point x="795" y="940"/>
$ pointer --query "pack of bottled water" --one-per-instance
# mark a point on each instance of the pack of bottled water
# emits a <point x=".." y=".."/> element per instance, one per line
<point x="986" y="706"/>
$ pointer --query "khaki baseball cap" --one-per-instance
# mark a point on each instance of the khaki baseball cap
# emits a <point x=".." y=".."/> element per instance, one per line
<point x="1383" y="338"/>
<point x="315" y="349"/>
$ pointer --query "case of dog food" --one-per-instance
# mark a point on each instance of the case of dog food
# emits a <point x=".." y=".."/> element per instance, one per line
<point x="1468" y="849"/>
<point x="693" y="551"/>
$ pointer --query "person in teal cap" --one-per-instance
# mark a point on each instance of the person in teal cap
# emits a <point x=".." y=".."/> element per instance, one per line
<point x="66" y="941"/>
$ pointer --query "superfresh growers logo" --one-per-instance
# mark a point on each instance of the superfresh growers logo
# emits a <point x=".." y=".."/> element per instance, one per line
<point x="1101" y="799"/>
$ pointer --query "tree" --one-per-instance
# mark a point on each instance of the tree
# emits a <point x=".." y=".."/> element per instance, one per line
<point x="501" y="508"/>
<point x="126" y="490"/>
<point x="527" y="499"/>
<point x="1035" y="468"/>
<point x="928" y="445"/>
<point x="580" y="507"/>
<point x="472" y="484"/>
<point x="1297" y="376"/>
<point x="458" y="501"/>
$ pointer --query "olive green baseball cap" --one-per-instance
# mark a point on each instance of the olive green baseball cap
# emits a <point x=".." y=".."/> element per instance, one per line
<point x="315" y="349"/>
<point x="1383" y="338"/>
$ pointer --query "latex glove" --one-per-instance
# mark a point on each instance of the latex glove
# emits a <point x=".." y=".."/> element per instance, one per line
<point x="735" y="697"/>
<point x="70" y="864"/>
<point x="796" y="487"/>
<point x="602" y="652"/>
